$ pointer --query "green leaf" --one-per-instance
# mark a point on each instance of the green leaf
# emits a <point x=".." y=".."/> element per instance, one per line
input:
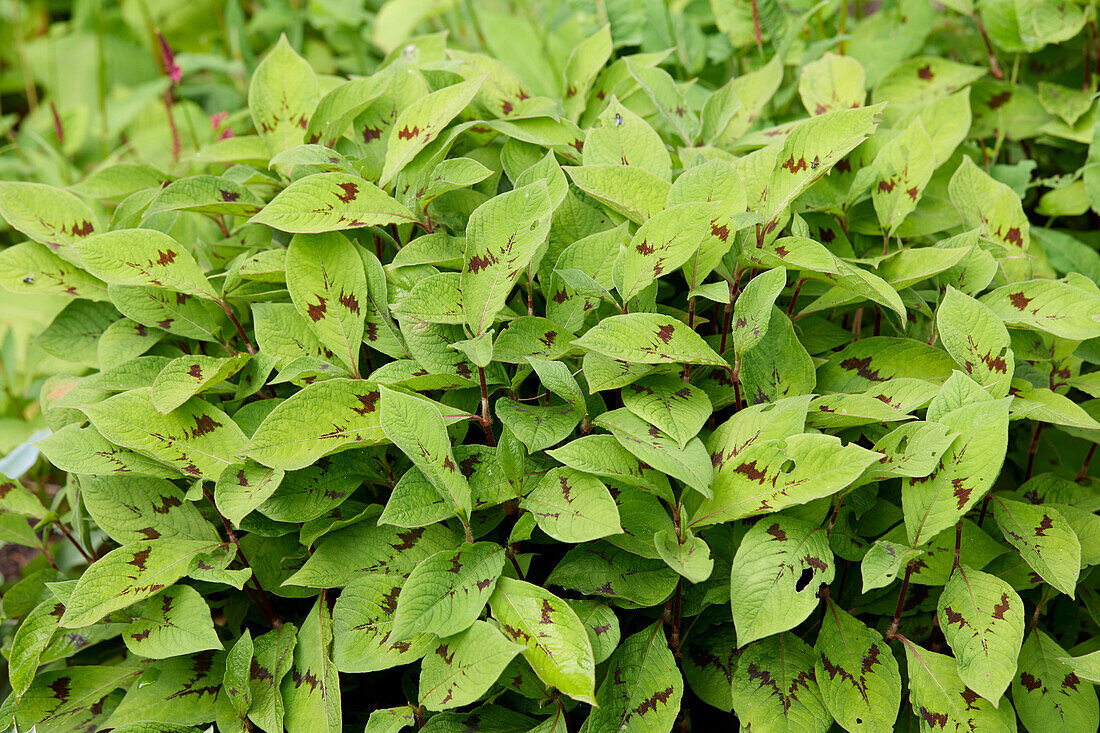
<point x="691" y="464"/>
<point x="620" y="137"/>
<point x="206" y="195"/>
<point x="809" y="152"/>
<point x="1045" y="540"/>
<point x="132" y="508"/>
<point x="977" y="339"/>
<point x="312" y="691"/>
<point x="197" y="438"/>
<point x="416" y="427"/>
<point x="858" y="676"/>
<point x="991" y="207"/>
<point x="1046" y="692"/>
<point x="344" y="555"/>
<point x="752" y="311"/>
<point x="965" y="473"/>
<point x="818" y="263"/>
<point x="555" y="642"/>
<point x="982" y="619"/>
<point x="632" y="192"/>
<point x="777" y="571"/>
<point x="328" y="202"/>
<point x="689" y="556"/>
<point x="238" y="670"/>
<point x="602" y="455"/>
<point x="904" y="166"/>
<point x="1084" y="666"/>
<point x="186" y="376"/>
<point x="642" y="688"/>
<point x="648" y="338"/>
<point x="273" y="660"/>
<point x="84" y="451"/>
<point x="174" y="623"/>
<point x="30" y="268"/>
<point x="770" y="475"/>
<point x="609" y="572"/>
<point x="48" y="215"/>
<point x="362" y="626"/>
<point x="318" y="420"/>
<point x="777" y="689"/>
<point x="883" y="561"/>
<point x="462" y="668"/>
<point x="422" y="121"/>
<point x="281" y="97"/>
<point x="557" y="377"/>
<point x="664" y="243"/>
<point x="941" y="699"/>
<point x="677" y="408"/>
<point x="446" y="592"/>
<point x="30" y="640"/>
<point x="501" y="238"/>
<point x="129" y="574"/>
<point x="832" y="82"/>
<point x="1053" y="306"/>
<point x="571" y="506"/>
<point x="537" y="426"/>
<point x="326" y="280"/>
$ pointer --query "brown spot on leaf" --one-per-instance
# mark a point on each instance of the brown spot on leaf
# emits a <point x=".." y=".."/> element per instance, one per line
<point x="204" y="424"/>
<point x="371" y="133"/>
<point x="350" y="191"/>
<point x="195" y="371"/>
<point x="368" y="402"/>
<point x="479" y="263"/>
<point x="229" y="195"/>
<point x="886" y="186"/>
<point x="1019" y="300"/>
<point x="1000" y="608"/>
<point x="1045" y="524"/>
<point x="167" y="257"/>
<point x="139" y="558"/>
<point x="862" y="367"/>
<point x="1028" y="681"/>
<point x="998" y="100"/>
<point x="776" y="532"/>
<point x="406" y="134"/>
<point x="166" y="504"/>
<point x="751" y="472"/>
<point x="83" y="229"/>
<point x="925" y="72"/>
<point x="665" y="333"/>
<point x="316" y="311"/>
<point x="350" y="302"/>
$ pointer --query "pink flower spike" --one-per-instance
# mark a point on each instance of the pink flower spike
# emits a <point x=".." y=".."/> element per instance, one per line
<point x="217" y="119"/>
<point x="174" y="72"/>
<point x="226" y="134"/>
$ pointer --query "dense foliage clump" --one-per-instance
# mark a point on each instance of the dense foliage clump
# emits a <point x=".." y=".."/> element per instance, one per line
<point x="555" y="366"/>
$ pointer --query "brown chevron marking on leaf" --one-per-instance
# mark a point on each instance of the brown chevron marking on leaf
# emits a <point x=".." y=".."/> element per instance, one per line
<point x="1029" y="681"/>
<point x="1000" y="608"/>
<point x="925" y="72"/>
<point x="1044" y="525"/>
<point x="195" y="371"/>
<point x="351" y="190"/>
<point x="406" y="134"/>
<point x="776" y="532"/>
<point x="140" y="557"/>
<point x="316" y="311"/>
<point x="1019" y="300"/>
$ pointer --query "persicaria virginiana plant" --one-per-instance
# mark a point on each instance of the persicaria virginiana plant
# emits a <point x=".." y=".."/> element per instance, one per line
<point x="602" y="388"/>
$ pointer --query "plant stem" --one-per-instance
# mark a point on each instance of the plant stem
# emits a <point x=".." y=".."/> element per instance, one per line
<point x="237" y="324"/>
<point x="264" y="603"/>
<point x="958" y="543"/>
<point x="994" y="67"/>
<point x="1083" y="473"/>
<point x="794" y="296"/>
<point x="1033" y="448"/>
<point x="486" y="421"/>
<point x="901" y="602"/>
<point x="69" y="536"/>
<point x="756" y="26"/>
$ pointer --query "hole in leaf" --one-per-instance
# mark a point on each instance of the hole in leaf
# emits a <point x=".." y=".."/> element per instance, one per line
<point x="902" y="443"/>
<point x="804" y="579"/>
<point x="787" y="467"/>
